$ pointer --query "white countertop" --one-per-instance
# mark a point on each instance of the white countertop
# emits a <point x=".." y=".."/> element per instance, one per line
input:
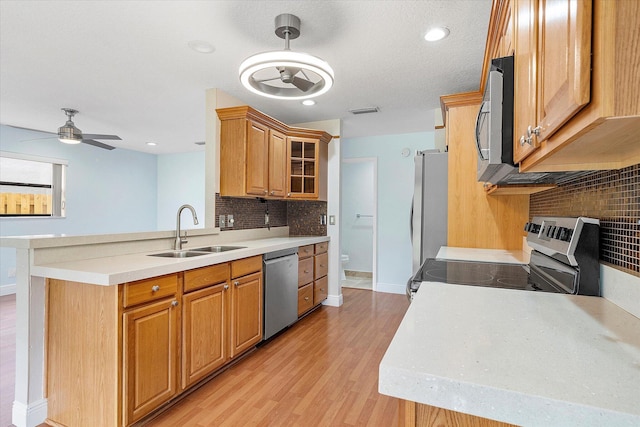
<point x="483" y="255"/>
<point x="527" y="358"/>
<point x="126" y="268"/>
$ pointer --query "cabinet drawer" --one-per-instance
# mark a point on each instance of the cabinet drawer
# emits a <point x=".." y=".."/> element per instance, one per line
<point x="245" y="266"/>
<point x="305" y="251"/>
<point x="305" y="298"/>
<point x="322" y="247"/>
<point x="205" y="276"/>
<point x="321" y="265"/>
<point x="305" y="271"/>
<point x="320" y="290"/>
<point x="150" y="289"/>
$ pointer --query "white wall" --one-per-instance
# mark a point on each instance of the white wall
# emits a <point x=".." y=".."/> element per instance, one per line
<point x="358" y="198"/>
<point x="107" y="191"/>
<point x="181" y="180"/>
<point x="395" y="189"/>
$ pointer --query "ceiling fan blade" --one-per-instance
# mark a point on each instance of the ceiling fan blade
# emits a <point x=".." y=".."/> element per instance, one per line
<point x="267" y="80"/>
<point x="32" y="130"/>
<point x="98" y="136"/>
<point x="98" y="144"/>
<point x="302" y="84"/>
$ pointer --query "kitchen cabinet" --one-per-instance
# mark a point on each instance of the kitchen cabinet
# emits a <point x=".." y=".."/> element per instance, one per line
<point x="246" y="304"/>
<point x="117" y="353"/>
<point x="150" y="357"/>
<point x="313" y="266"/>
<point x="414" y="414"/>
<point x="320" y="270"/>
<point x="262" y="157"/>
<point x="552" y="68"/>
<point x="205" y="314"/>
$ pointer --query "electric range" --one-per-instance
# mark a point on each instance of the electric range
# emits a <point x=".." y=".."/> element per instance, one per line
<point x="564" y="259"/>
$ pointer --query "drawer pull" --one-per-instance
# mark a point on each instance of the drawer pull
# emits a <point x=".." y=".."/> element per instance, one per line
<point x="226" y="287"/>
<point x="306" y="298"/>
<point x="174" y="303"/>
<point x="236" y="283"/>
<point x="322" y="265"/>
<point x="321" y="289"/>
<point x="155" y="288"/>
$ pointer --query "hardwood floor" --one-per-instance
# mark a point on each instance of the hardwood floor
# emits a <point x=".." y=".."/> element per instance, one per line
<point x="323" y="371"/>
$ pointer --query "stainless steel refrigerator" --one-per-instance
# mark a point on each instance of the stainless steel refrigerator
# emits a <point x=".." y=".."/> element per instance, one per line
<point x="429" y="211"/>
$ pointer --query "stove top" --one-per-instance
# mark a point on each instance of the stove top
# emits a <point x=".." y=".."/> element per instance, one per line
<point x="564" y="260"/>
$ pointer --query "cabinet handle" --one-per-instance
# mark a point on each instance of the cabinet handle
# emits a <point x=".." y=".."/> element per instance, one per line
<point x="533" y="131"/>
<point x="266" y="192"/>
<point x="174" y="303"/>
<point x="306" y="298"/>
<point x="524" y="140"/>
<point x="236" y="283"/>
<point x="273" y="192"/>
<point x="226" y="287"/>
<point x="155" y="288"/>
<point x="322" y="265"/>
<point x="306" y="272"/>
<point x="322" y="289"/>
<point x="288" y="194"/>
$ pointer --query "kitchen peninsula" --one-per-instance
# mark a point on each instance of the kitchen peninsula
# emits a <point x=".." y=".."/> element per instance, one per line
<point x="96" y="267"/>
<point x="518" y="357"/>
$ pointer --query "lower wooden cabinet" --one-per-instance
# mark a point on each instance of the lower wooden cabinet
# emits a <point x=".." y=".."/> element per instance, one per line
<point x="117" y="353"/>
<point x="204" y="332"/>
<point x="320" y="290"/>
<point x="150" y="357"/>
<point x="414" y="414"/>
<point x="246" y="312"/>
<point x="305" y="298"/>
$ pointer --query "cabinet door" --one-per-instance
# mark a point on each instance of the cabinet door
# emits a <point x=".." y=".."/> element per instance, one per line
<point x="246" y="313"/>
<point x="257" y="168"/>
<point x="524" y="85"/>
<point x="564" y="62"/>
<point x="204" y="333"/>
<point x="303" y="168"/>
<point x="277" y="164"/>
<point x="150" y="357"/>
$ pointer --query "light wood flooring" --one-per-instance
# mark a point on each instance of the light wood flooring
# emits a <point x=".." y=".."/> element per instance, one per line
<point x="323" y="371"/>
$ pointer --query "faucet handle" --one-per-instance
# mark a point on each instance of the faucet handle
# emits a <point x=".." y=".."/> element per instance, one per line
<point x="183" y="239"/>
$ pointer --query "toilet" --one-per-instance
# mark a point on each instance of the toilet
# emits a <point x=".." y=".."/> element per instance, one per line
<point x="343" y="260"/>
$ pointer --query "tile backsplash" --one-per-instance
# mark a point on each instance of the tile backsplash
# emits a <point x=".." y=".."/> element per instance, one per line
<point x="302" y="217"/>
<point x="613" y="197"/>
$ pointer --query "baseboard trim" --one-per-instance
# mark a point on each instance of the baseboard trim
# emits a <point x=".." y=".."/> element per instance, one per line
<point x="390" y="288"/>
<point x="31" y="415"/>
<point x="7" y="289"/>
<point x="333" y="300"/>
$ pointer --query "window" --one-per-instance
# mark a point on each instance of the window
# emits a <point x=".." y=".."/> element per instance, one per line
<point x="31" y="186"/>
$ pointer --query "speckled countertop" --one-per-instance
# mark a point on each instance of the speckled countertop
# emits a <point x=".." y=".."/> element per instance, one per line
<point x="526" y="358"/>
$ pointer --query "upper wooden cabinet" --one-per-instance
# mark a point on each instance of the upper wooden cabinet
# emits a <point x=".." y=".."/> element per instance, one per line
<point x="577" y="82"/>
<point x="552" y="68"/>
<point x="262" y="157"/>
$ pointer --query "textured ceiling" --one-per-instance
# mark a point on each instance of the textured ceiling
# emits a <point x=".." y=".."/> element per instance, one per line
<point x="126" y="66"/>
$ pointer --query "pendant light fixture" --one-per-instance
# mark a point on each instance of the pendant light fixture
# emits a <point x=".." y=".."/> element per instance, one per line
<point x="285" y="74"/>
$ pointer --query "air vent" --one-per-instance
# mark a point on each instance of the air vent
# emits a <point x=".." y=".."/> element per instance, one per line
<point x="364" y="110"/>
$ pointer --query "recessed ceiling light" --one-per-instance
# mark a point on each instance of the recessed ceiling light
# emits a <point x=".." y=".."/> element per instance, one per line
<point x="437" y="33"/>
<point x="308" y="102"/>
<point x="151" y="144"/>
<point x="201" y="46"/>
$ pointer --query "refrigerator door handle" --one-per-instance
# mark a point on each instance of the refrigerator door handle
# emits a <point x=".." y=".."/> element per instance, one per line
<point x="411" y="221"/>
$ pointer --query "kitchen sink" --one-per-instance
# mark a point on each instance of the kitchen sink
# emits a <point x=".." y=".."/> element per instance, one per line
<point x="179" y="254"/>
<point x="218" y="248"/>
<point x="188" y="253"/>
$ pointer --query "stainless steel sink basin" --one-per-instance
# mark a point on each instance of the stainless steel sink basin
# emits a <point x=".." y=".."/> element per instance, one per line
<point x="187" y="253"/>
<point x="179" y="254"/>
<point x="218" y="248"/>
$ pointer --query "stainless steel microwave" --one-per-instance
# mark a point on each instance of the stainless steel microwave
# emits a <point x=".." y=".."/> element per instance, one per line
<point x="494" y="123"/>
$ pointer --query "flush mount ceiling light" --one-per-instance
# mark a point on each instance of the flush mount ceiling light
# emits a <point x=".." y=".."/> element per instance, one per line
<point x="437" y="33"/>
<point x="285" y="74"/>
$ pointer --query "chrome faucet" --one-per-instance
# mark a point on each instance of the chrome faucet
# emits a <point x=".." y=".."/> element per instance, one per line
<point x="180" y="240"/>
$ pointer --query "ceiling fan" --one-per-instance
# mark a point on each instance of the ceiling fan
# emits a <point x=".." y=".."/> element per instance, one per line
<point x="70" y="134"/>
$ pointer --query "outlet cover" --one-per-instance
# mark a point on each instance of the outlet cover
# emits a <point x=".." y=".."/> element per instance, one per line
<point x="230" y="221"/>
<point x="221" y="221"/>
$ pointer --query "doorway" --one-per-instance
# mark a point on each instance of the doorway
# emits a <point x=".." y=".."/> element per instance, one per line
<point x="358" y="230"/>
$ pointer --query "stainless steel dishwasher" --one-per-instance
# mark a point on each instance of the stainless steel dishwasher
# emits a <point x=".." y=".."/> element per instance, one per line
<point x="280" y="290"/>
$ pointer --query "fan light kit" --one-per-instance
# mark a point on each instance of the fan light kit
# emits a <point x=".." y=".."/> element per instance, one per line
<point x="285" y="74"/>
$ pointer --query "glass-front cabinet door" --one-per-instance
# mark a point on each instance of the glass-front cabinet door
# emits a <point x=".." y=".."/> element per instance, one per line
<point x="302" y="170"/>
